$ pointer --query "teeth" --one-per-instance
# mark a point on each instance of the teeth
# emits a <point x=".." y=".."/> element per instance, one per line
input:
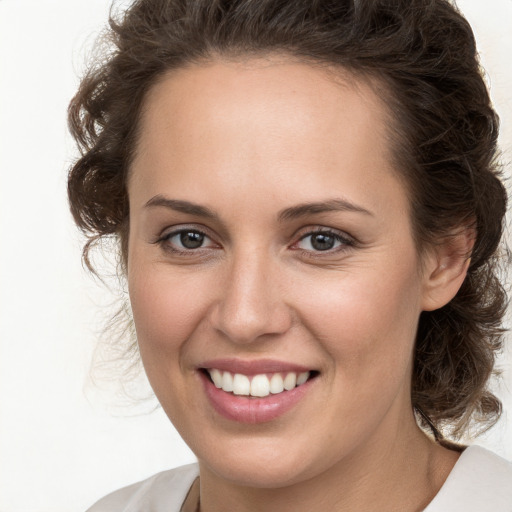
<point x="259" y="385"/>
<point x="276" y="384"/>
<point x="216" y="376"/>
<point x="290" y="381"/>
<point x="227" y="382"/>
<point x="302" y="378"/>
<point x="241" y="384"/>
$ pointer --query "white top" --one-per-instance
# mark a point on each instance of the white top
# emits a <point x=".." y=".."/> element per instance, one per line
<point x="480" y="481"/>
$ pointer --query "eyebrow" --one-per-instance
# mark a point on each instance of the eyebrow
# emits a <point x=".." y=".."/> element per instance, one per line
<point x="332" y="205"/>
<point x="182" y="206"/>
<point x="294" y="212"/>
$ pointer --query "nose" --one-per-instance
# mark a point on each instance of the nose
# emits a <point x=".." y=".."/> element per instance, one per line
<point x="251" y="305"/>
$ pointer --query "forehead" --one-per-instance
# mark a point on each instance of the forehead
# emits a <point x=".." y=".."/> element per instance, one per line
<point x="269" y="94"/>
<point x="297" y="124"/>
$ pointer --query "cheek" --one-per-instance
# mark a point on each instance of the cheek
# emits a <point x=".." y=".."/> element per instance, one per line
<point x="366" y="325"/>
<point x="367" y="321"/>
<point x="166" y="314"/>
<point x="167" y="308"/>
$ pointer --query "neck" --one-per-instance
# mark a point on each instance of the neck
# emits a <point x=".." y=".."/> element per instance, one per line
<point x="400" y="471"/>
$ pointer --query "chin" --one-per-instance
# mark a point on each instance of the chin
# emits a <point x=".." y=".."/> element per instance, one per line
<point x="263" y="463"/>
<point x="263" y="474"/>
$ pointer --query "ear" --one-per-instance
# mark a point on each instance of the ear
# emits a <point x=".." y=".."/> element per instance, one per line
<point x="445" y="268"/>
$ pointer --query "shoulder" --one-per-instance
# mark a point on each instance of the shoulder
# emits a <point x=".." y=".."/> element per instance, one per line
<point x="481" y="481"/>
<point x="164" y="491"/>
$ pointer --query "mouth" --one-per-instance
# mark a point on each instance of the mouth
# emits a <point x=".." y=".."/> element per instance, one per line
<point x="256" y="391"/>
<point x="260" y="385"/>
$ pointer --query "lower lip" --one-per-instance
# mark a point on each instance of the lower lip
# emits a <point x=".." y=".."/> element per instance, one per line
<point x="244" y="409"/>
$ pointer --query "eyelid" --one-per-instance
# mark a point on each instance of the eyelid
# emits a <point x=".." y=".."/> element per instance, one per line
<point x="169" y="231"/>
<point x="347" y="240"/>
<point x="163" y="239"/>
<point x="311" y="230"/>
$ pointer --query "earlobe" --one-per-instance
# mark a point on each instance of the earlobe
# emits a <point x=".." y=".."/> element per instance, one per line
<point x="446" y="267"/>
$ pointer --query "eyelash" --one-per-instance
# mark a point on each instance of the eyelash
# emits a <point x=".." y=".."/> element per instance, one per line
<point x="345" y="242"/>
<point x="165" y="241"/>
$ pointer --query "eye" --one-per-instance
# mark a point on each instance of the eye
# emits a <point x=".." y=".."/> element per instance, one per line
<point x="186" y="240"/>
<point x="323" y="240"/>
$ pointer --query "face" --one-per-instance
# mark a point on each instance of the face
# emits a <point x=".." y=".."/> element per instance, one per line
<point x="270" y="252"/>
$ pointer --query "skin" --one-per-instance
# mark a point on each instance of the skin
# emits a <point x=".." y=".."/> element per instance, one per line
<point x="248" y="140"/>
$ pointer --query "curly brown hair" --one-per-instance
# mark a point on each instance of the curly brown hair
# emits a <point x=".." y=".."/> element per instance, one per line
<point x="423" y="54"/>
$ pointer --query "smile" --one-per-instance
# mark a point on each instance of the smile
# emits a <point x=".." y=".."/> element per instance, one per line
<point x="260" y="386"/>
<point x="255" y="391"/>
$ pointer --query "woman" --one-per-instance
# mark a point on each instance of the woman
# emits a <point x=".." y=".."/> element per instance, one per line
<point x="308" y="210"/>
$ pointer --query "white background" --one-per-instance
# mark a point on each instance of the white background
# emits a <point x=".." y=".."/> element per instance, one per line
<point x="65" y="441"/>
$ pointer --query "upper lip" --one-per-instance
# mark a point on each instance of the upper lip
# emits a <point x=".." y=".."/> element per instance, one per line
<point x="254" y="367"/>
